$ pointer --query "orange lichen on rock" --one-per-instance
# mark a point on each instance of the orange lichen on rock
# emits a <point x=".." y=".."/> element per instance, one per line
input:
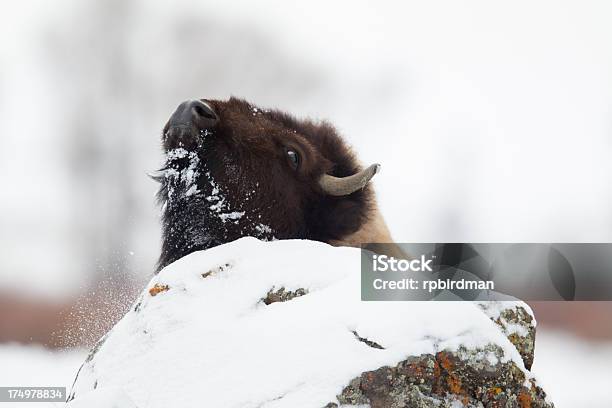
<point x="445" y="361"/>
<point x="524" y="399"/>
<point x="452" y="380"/>
<point x="454" y="384"/>
<point x="158" y="288"/>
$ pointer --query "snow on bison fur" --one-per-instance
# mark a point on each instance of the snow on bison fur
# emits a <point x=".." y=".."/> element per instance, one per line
<point x="233" y="169"/>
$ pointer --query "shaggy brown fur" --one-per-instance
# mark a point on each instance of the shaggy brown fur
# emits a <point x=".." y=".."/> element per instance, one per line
<point x="235" y="179"/>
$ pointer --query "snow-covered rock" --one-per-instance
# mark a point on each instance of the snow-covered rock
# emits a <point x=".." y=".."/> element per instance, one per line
<point x="281" y="324"/>
<point x="107" y="397"/>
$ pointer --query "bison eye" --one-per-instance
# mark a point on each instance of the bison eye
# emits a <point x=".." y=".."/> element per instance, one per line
<point x="294" y="158"/>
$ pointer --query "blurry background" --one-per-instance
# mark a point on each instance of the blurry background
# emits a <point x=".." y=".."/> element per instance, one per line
<point x="493" y="123"/>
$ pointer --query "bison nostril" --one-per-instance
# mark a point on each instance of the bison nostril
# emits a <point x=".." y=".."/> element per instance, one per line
<point x="202" y="115"/>
<point x="200" y="111"/>
<point x="195" y="114"/>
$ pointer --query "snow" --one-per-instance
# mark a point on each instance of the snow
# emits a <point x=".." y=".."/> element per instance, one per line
<point x="215" y="196"/>
<point x="513" y="328"/>
<point x="212" y="340"/>
<point x="574" y="372"/>
<point x="111" y="397"/>
<point x="36" y="366"/>
<point x="236" y="215"/>
<point x="263" y="228"/>
<point x="178" y="153"/>
<point x="187" y="177"/>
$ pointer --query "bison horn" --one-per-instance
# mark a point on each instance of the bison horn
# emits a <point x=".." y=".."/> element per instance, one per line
<point x="341" y="186"/>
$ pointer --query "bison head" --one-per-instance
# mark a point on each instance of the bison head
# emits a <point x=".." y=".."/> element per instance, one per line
<point x="234" y="170"/>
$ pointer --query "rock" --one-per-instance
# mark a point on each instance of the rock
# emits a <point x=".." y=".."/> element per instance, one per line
<point x="281" y="324"/>
<point x="517" y="322"/>
<point x="282" y="295"/>
<point x="471" y="378"/>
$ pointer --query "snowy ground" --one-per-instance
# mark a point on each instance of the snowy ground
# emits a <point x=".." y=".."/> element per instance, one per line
<point x="574" y="372"/>
<point x="30" y="365"/>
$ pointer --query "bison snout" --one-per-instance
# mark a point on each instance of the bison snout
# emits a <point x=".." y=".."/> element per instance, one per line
<point x="187" y="122"/>
<point x="194" y="113"/>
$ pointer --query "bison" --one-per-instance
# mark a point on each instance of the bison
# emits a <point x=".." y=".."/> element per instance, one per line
<point x="233" y="169"/>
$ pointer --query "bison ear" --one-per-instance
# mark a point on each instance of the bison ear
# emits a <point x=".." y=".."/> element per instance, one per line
<point x="344" y="206"/>
<point x="338" y="217"/>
